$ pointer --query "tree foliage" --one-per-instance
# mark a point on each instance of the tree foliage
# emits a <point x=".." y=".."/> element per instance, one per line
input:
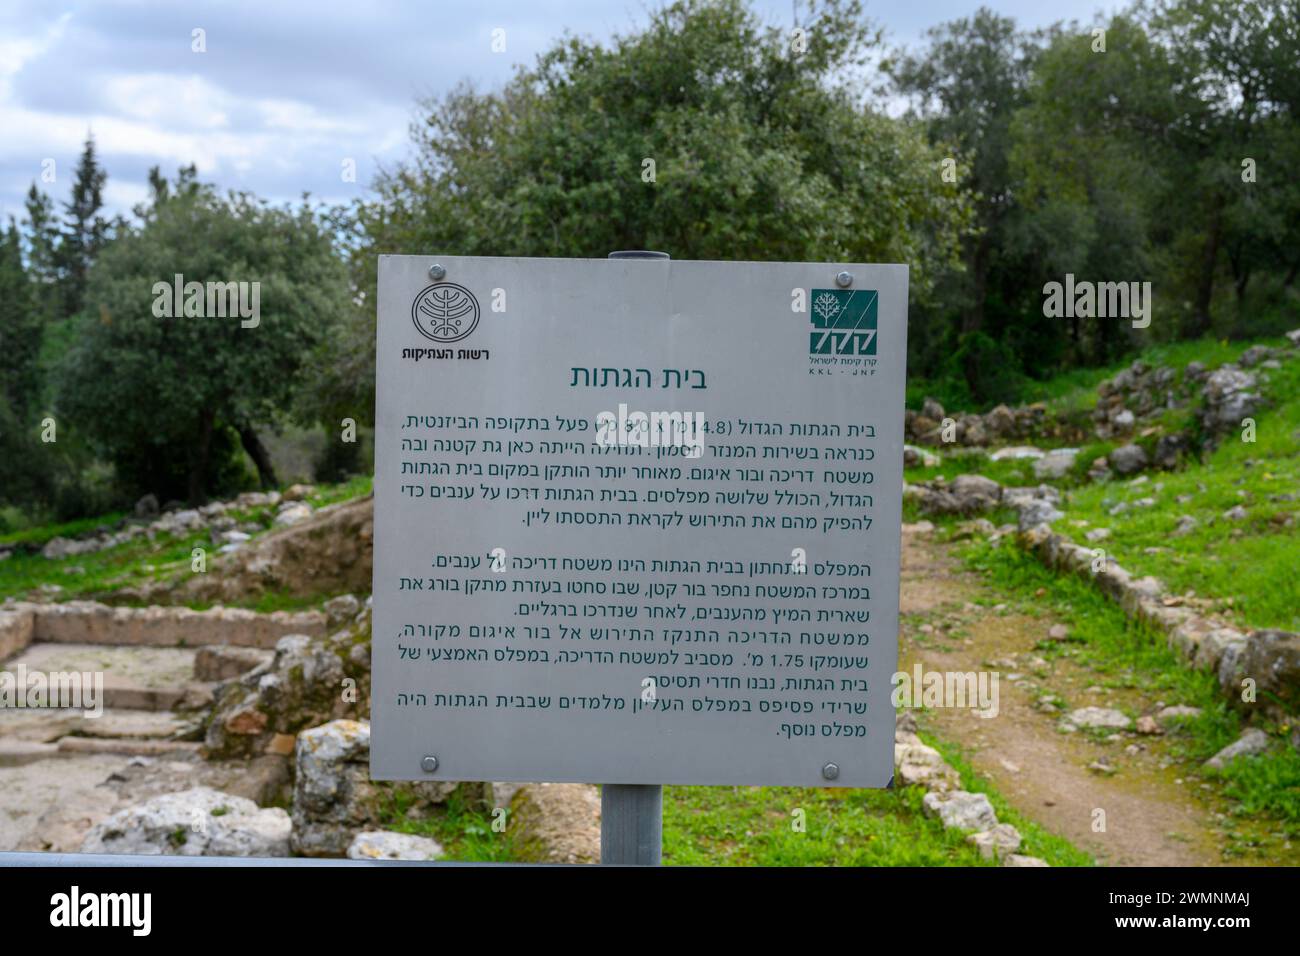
<point x="168" y="398"/>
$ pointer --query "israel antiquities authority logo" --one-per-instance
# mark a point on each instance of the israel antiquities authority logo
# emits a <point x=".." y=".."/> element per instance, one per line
<point x="843" y="322"/>
<point x="445" y="312"/>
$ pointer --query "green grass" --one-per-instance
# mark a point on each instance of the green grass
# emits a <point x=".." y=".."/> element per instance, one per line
<point x="756" y="826"/>
<point x="142" y="561"/>
<point x="38" y="535"/>
<point x="332" y="494"/>
<point x="1124" y="653"/>
<point x="137" y="562"/>
<point x="1007" y="471"/>
<point x="464" y="830"/>
<point x="1254" y="560"/>
<point x="1076" y="390"/>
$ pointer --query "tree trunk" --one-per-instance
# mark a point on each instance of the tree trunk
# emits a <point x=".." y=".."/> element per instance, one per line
<point x="200" y="458"/>
<point x="973" y="320"/>
<point x="1290" y="276"/>
<point x="261" y="458"/>
<point x="1205" y="282"/>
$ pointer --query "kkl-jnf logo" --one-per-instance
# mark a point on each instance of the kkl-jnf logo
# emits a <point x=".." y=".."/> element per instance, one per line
<point x="843" y="322"/>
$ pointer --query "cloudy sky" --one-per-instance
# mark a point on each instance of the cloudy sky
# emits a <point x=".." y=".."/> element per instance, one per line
<point x="287" y="90"/>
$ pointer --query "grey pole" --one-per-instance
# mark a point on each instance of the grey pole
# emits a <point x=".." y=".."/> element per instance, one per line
<point x="631" y="823"/>
<point x="632" y="815"/>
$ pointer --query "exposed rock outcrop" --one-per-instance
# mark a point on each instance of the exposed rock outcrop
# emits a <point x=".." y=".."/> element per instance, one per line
<point x="334" y="798"/>
<point x="196" y="822"/>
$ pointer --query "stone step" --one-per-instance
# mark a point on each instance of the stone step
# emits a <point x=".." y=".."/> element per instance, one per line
<point x="16" y="753"/>
<point x="48" y="726"/>
<point x="89" y="622"/>
<point x="132" y="678"/>
<point x="133" y="748"/>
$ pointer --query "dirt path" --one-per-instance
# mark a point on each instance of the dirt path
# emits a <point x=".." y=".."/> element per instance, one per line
<point x="1152" y="815"/>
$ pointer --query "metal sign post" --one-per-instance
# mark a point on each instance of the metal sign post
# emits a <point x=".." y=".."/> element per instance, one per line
<point x="632" y="815"/>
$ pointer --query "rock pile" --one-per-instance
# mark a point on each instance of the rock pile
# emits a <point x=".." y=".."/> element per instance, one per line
<point x="197" y="822"/>
<point x="919" y="765"/>
<point x="1138" y="392"/>
<point x="969" y="495"/>
<point x="307" y="682"/>
<point x="1268" y="658"/>
<point x="218" y="518"/>
<point x="1230" y="396"/>
<point x="335" y="801"/>
<point x="999" y="424"/>
<point x="328" y="553"/>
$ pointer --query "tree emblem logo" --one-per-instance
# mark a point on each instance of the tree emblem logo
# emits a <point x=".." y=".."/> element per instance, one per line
<point x="844" y="322"/>
<point x="445" y="312"/>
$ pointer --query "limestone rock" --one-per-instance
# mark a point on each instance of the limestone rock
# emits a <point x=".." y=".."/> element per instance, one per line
<point x="218" y="662"/>
<point x="1037" y="511"/>
<point x="556" y="823"/>
<point x="1177" y="712"/>
<point x="1169" y="448"/>
<point x="1146" y="724"/>
<point x="1272" y="659"/>
<point x="1252" y="743"/>
<point x="1128" y="459"/>
<point x="1018" y="453"/>
<point x="921" y="765"/>
<point x="330" y="552"/>
<point x="914" y="457"/>
<point x="302" y="686"/>
<point x="342" y="609"/>
<point x="334" y="798"/>
<point x="1056" y="464"/>
<point x="292" y="513"/>
<point x="386" y="845"/>
<point x="1105" y="718"/>
<point x="961" y="810"/>
<point x="997" y="843"/>
<point x="1229" y="395"/>
<point x="932" y="410"/>
<point x="196" y="822"/>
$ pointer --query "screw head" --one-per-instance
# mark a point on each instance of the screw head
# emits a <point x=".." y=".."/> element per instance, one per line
<point x="844" y="280"/>
<point x="831" y="771"/>
<point x="429" y="764"/>
<point x="437" y="272"/>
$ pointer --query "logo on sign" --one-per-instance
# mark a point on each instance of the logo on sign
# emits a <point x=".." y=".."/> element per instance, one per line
<point x="445" y="312"/>
<point x="843" y="322"/>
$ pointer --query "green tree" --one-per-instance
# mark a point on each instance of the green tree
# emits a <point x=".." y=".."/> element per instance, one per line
<point x="20" y="329"/>
<point x="967" y="86"/>
<point x="1094" y="170"/>
<point x="986" y="326"/>
<point x="707" y="135"/>
<point x="84" y="230"/>
<point x="1237" y="61"/>
<point x="169" y="398"/>
<point x="21" y="461"/>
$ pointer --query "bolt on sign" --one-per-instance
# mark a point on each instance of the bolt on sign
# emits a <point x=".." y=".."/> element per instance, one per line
<point x="637" y="521"/>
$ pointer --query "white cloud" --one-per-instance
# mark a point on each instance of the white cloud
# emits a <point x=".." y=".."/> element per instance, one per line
<point x="287" y="89"/>
<point x="164" y="100"/>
